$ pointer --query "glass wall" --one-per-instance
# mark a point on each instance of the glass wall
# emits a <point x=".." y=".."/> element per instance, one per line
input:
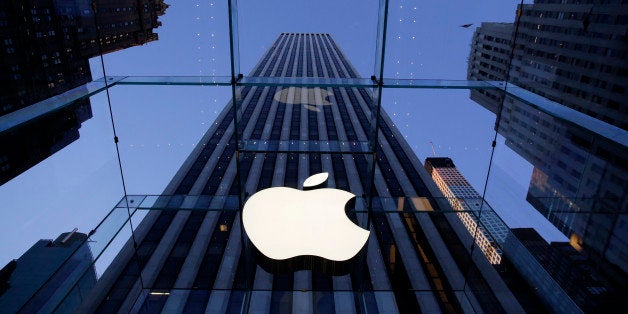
<point x="522" y="101"/>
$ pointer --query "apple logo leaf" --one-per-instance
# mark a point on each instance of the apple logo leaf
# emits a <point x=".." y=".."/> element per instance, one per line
<point x="316" y="181"/>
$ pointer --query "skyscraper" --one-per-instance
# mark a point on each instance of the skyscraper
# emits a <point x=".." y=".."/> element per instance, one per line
<point x="574" y="55"/>
<point x="48" y="44"/>
<point x="472" y="208"/>
<point x="44" y="277"/>
<point x="190" y="253"/>
<point x="584" y="283"/>
<point x="46" y="47"/>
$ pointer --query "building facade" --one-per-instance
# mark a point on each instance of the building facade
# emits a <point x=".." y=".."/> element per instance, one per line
<point x="570" y="52"/>
<point x="574" y="54"/>
<point x="52" y="274"/>
<point x="477" y="215"/>
<point x="190" y="254"/>
<point x="47" y="44"/>
<point x="587" y="286"/>
<point x="45" y="47"/>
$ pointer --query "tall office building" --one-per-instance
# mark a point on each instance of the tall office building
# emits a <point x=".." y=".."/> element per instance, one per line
<point x="587" y="286"/>
<point x="489" y="60"/>
<point x="477" y="215"/>
<point x="573" y="54"/>
<point x="190" y="252"/>
<point x="52" y="274"/>
<point x="45" y="47"/>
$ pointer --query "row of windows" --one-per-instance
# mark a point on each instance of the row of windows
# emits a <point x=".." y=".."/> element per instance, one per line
<point x="314" y="48"/>
<point x="495" y="39"/>
<point x="592" y="50"/>
<point x="580" y="16"/>
<point x="283" y="53"/>
<point x="499" y="50"/>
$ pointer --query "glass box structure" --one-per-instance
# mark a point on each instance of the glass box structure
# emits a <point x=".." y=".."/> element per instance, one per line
<point x="303" y="108"/>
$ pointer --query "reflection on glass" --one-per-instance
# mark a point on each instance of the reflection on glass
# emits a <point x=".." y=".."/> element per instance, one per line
<point x="51" y="269"/>
<point x="26" y="144"/>
<point x="304" y="110"/>
<point x="46" y="59"/>
<point x="176" y="80"/>
<point x="481" y="221"/>
<point x="563" y="114"/>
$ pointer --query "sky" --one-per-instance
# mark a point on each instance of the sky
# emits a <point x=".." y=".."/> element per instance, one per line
<point x="158" y="126"/>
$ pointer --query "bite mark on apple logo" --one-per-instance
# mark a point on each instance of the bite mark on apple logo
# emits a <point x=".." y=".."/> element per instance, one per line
<point x="309" y="229"/>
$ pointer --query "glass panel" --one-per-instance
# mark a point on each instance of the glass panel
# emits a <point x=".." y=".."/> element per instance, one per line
<point x="61" y="160"/>
<point x="182" y="39"/>
<point x="305" y="119"/>
<point x="179" y="117"/>
<point x="41" y="59"/>
<point x="304" y="146"/>
<point x="380" y="41"/>
<point x="567" y="115"/>
<point x="580" y="67"/>
<point x="351" y="24"/>
<point x="520" y="254"/>
<point x="48" y="106"/>
<point x="431" y="84"/>
<point x="430" y="39"/>
<point x="176" y="80"/>
<point x="70" y="276"/>
<point x="109" y="229"/>
<point x="234" y="40"/>
<point x="567" y="181"/>
<point x="561" y="129"/>
<point x="452" y="128"/>
<point x="189" y="202"/>
<point x="306" y="81"/>
<point x="72" y="269"/>
<point x="516" y="205"/>
<point x="348" y="172"/>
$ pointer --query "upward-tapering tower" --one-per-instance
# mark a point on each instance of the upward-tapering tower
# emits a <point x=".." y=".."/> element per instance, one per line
<point x="191" y="254"/>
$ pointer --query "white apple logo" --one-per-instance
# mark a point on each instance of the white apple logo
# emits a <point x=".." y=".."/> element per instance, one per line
<point x="285" y="223"/>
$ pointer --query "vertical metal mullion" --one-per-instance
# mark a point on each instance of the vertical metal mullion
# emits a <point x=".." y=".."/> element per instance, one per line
<point x="236" y="102"/>
<point x="376" y="98"/>
<point x="380" y="40"/>
<point x="378" y="78"/>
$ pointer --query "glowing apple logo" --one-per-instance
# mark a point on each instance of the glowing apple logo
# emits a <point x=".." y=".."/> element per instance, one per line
<point x="304" y="229"/>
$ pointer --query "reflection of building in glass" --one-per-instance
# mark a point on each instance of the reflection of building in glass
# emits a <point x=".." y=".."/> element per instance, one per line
<point x="571" y="54"/>
<point x="45" y="47"/>
<point x="56" y="265"/>
<point x="47" y="44"/>
<point x="416" y="260"/>
<point x="463" y="198"/>
<point x="26" y="145"/>
<point x="489" y="60"/>
<point x="584" y="284"/>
